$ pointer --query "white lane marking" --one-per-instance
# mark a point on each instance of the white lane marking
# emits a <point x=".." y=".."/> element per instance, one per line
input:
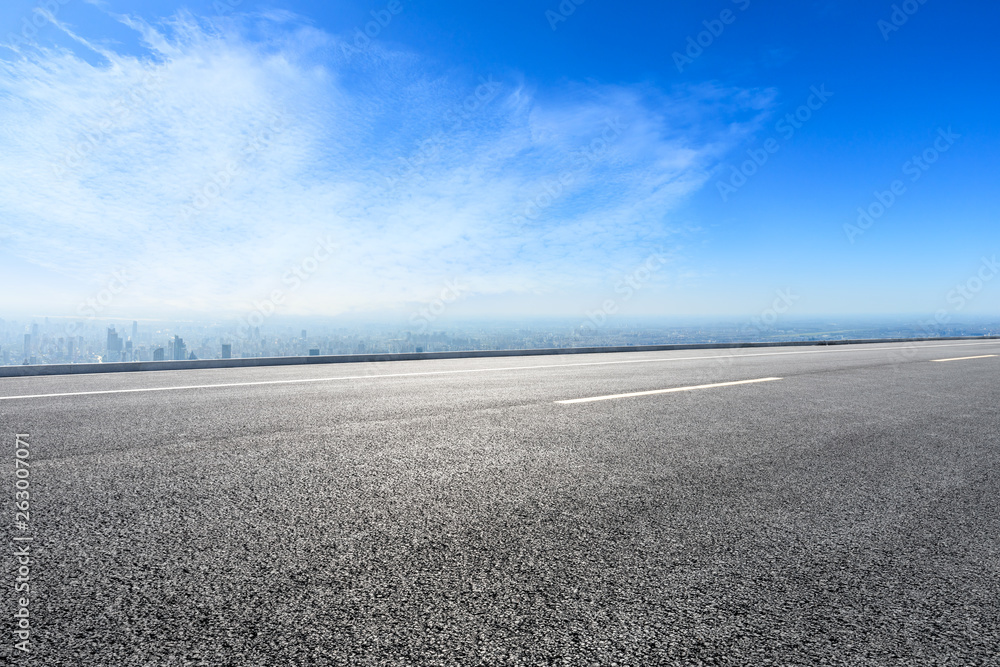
<point x="663" y="391"/>
<point x="471" y="370"/>
<point x="981" y="356"/>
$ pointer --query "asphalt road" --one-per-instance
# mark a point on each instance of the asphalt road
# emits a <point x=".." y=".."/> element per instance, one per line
<point x="453" y="512"/>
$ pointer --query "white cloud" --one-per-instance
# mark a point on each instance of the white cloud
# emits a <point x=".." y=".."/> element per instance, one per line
<point x="211" y="163"/>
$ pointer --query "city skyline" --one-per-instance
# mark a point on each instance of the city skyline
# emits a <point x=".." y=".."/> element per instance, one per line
<point x="52" y="342"/>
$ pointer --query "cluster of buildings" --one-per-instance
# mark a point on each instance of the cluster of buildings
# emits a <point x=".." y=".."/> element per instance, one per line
<point x="72" y="343"/>
<point x="60" y="342"/>
<point x="65" y="341"/>
<point x="119" y="349"/>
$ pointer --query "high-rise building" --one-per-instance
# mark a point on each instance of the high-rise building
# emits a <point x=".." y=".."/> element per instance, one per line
<point x="179" y="349"/>
<point x="27" y="345"/>
<point x="227" y="350"/>
<point x="158" y="354"/>
<point x="115" y="346"/>
<point x="135" y="332"/>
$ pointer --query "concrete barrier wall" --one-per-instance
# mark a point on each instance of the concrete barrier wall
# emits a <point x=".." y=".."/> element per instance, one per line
<point x="133" y="366"/>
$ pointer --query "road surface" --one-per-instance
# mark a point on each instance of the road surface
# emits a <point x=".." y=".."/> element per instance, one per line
<point x="784" y="506"/>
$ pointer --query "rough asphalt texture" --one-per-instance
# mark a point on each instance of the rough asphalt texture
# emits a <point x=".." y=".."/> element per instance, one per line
<point x="848" y="514"/>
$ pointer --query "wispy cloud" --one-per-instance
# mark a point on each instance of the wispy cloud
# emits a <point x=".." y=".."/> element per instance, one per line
<point x="213" y="159"/>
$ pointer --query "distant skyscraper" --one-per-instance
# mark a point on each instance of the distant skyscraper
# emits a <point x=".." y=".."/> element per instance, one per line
<point x="179" y="349"/>
<point x="135" y="331"/>
<point x="227" y="350"/>
<point x="158" y="354"/>
<point x="303" y="334"/>
<point x="27" y="345"/>
<point x="314" y="352"/>
<point x="115" y="346"/>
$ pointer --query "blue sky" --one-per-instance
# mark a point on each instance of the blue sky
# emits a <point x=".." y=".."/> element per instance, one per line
<point x="206" y="158"/>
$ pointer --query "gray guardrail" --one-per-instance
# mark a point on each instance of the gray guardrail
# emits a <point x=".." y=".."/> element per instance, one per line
<point x="136" y="366"/>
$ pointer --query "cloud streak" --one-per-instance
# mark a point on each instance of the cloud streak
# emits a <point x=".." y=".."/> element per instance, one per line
<point x="212" y="159"/>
